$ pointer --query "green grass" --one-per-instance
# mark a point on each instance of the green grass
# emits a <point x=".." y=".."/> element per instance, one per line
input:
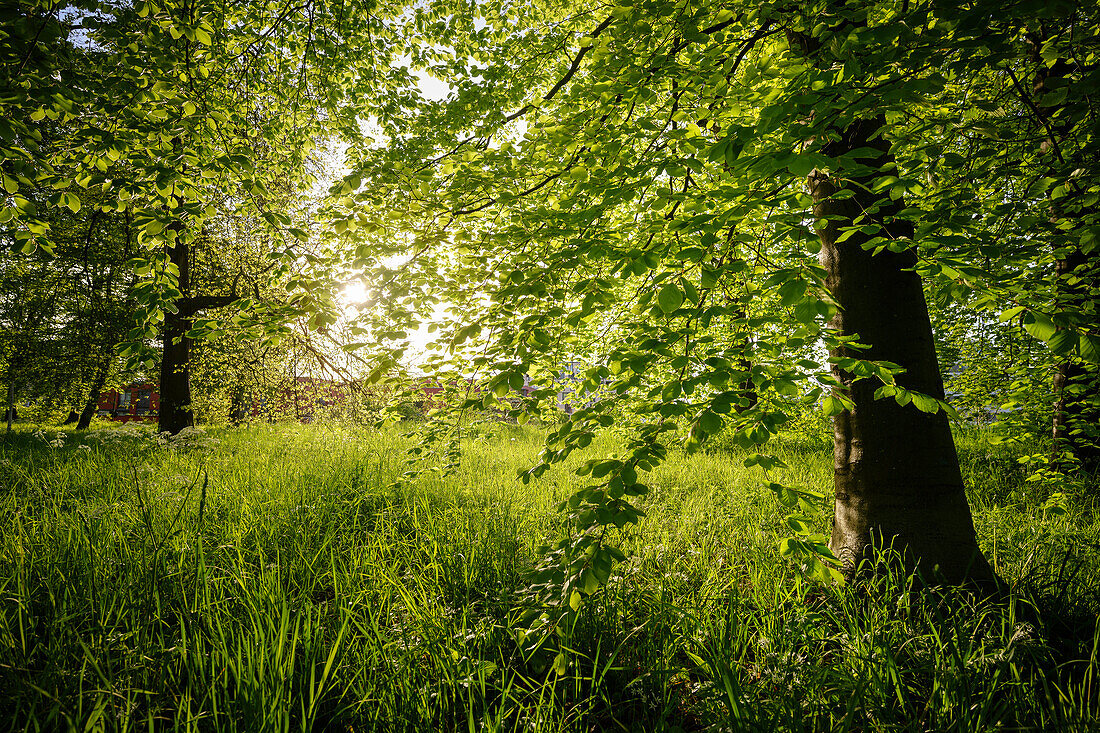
<point x="271" y="579"/>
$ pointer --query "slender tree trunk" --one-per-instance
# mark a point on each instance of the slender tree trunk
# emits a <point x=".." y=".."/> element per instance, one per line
<point x="1076" y="420"/>
<point x="89" y="410"/>
<point x="1076" y="424"/>
<point x="897" y="474"/>
<point x="11" y="401"/>
<point x="175" y="377"/>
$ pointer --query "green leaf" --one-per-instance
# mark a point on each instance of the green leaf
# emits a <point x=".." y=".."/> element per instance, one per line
<point x="710" y="422"/>
<point x="799" y="524"/>
<point x="832" y="406"/>
<point x="602" y="468"/>
<point x="591" y="582"/>
<point x="1090" y="240"/>
<point x="1064" y="342"/>
<point x="1089" y="348"/>
<point x="670" y="298"/>
<point x="787" y="496"/>
<point x="924" y="403"/>
<point x="805" y="311"/>
<point x="802" y="165"/>
<point x="792" y="291"/>
<point x="1039" y="325"/>
<point x="515" y="381"/>
<point x="708" y="278"/>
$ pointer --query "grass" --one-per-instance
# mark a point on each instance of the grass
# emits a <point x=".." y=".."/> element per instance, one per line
<point x="270" y="578"/>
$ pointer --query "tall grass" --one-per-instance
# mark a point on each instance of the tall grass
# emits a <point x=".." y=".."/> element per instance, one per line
<point x="269" y="578"/>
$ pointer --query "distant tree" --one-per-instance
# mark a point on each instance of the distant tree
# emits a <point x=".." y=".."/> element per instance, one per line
<point x="193" y="99"/>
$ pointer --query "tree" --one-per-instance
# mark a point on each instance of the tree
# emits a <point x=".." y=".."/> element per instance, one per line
<point x="1012" y="151"/>
<point x="897" y="473"/>
<point x="616" y="174"/>
<point x="191" y="98"/>
<point x="1065" y="114"/>
<point x="27" y="310"/>
<point x="79" y="293"/>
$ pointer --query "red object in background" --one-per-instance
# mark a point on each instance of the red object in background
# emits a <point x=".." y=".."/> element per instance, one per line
<point x="133" y="402"/>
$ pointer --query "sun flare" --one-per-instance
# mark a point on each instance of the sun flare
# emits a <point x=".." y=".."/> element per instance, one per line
<point x="354" y="292"/>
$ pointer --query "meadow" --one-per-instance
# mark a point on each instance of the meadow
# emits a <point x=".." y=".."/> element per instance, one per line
<point x="274" y="578"/>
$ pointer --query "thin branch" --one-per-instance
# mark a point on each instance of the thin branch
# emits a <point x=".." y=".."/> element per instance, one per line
<point x="1035" y="110"/>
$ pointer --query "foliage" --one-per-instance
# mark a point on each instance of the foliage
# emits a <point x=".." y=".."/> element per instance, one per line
<point x="623" y="185"/>
<point x="163" y="109"/>
<point x="63" y="313"/>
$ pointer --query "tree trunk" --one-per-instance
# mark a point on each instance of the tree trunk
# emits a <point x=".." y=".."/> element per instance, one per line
<point x="237" y="410"/>
<point x="175" y="372"/>
<point x="1076" y="424"/>
<point x="175" y="377"/>
<point x="10" y="414"/>
<point x="1076" y="420"/>
<point x="175" y="365"/>
<point x="89" y="410"/>
<point x="897" y="474"/>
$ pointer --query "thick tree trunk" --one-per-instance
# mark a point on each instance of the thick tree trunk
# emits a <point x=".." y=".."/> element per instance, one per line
<point x="175" y="374"/>
<point x="175" y="377"/>
<point x="897" y="474"/>
<point x="88" y="412"/>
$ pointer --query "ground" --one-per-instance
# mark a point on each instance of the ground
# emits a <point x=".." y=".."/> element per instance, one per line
<point x="275" y="577"/>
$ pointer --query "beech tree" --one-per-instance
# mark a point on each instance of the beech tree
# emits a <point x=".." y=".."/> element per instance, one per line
<point x="629" y="162"/>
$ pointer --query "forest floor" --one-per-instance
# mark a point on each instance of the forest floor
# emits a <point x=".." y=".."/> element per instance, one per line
<point x="274" y="578"/>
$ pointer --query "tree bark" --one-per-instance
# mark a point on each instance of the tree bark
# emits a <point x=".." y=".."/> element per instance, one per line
<point x="897" y="474"/>
<point x="175" y="374"/>
<point x="89" y="410"/>
<point x="175" y="364"/>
